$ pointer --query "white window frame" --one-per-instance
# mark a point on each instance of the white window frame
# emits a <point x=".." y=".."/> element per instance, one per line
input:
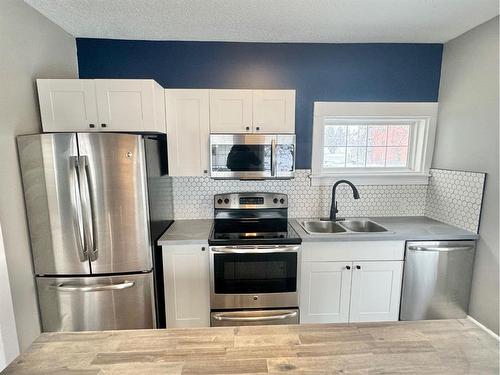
<point x="423" y="117"/>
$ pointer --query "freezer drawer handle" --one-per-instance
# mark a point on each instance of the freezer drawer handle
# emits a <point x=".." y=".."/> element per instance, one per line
<point x="92" y="288"/>
<point x="222" y="317"/>
<point x="455" y="248"/>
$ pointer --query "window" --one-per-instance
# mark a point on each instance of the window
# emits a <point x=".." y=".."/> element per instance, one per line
<point x="373" y="143"/>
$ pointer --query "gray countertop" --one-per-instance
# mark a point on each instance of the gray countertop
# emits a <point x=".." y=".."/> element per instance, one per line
<point x="185" y="232"/>
<point x="399" y="228"/>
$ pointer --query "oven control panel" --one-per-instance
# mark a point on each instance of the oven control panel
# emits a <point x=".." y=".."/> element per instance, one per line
<point x="250" y="200"/>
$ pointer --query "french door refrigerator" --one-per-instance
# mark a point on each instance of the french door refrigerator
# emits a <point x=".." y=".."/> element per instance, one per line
<point x="88" y="212"/>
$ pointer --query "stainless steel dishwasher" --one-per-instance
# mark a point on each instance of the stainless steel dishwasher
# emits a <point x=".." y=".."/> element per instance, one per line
<point x="437" y="279"/>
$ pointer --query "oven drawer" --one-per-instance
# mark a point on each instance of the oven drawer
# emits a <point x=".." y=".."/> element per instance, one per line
<point x="254" y="317"/>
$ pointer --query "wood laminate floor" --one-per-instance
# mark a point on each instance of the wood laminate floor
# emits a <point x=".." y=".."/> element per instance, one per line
<point x="423" y="347"/>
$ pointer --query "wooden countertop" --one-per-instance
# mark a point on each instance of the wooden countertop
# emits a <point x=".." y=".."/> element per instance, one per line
<point x="430" y="347"/>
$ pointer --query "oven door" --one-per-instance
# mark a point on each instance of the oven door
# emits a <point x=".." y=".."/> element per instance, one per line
<point x="253" y="276"/>
<point x="252" y="156"/>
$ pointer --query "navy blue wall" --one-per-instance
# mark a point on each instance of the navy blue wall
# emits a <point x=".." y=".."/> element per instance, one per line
<point x="319" y="72"/>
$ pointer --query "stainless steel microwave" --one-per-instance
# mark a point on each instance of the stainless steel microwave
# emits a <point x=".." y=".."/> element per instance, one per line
<point x="252" y="156"/>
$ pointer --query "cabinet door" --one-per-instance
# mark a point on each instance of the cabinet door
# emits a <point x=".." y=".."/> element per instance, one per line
<point x="187" y="294"/>
<point x="324" y="293"/>
<point x="231" y="111"/>
<point x="126" y="105"/>
<point x="67" y="105"/>
<point x="274" y="111"/>
<point x="376" y="291"/>
<point x="188" y="131"/>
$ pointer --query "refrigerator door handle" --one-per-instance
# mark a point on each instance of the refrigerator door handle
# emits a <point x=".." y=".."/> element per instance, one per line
<point x="92" y="288"/>
<point x="88" y="228"/>
<point x="76" y="206"/>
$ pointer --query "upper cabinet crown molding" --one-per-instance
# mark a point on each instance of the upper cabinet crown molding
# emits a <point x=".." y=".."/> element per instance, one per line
<point x="252" y="111"/>
<point x="69" y="105"/>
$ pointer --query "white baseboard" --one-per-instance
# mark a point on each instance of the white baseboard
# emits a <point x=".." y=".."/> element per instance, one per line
<point x="487" y="330"/>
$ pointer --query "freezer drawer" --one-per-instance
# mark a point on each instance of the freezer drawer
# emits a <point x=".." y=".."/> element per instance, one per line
<point x="254" y="317"/>
<point x="437" y="279"/>
<point x="96" y="303"/>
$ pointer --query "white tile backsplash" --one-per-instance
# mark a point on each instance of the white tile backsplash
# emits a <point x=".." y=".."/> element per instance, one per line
<point x="455" y="197"/>
<point x="193" y="197"/>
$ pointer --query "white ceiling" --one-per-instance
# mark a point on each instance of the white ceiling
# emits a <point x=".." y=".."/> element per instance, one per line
<point x="324" y="21"/>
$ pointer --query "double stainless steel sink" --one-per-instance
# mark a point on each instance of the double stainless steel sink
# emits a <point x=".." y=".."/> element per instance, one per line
<point x="358" y="225"/>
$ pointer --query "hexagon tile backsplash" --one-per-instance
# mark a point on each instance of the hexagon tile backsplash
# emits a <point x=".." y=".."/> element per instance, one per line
<point x="193" y="197"/>
<point x="453" y="197"/>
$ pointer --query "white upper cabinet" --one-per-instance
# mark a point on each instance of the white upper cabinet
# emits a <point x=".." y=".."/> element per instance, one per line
<point x="252" y="111"/>
<point x="274" y="111"/>
<point x="325" y="292"/>
<point x="231" y="111"/>
<point x="187" y="290"/>
<point x="128" y="105"/>
<point x="376" y="291"/>
<point x="67" y="105"/>
<point x="188" y="131"/>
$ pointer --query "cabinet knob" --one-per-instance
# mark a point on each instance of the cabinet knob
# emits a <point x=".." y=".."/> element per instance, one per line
<point x="247" y="128"/>
<point x="91" y="126"/>
<point x="205" y="171"/>
<point x="203" y="248"/>
<point x="347" y="267"/>
<point x="257" y="128"/>
<point x="103" y="125"/>
<point x="358" y="267"/>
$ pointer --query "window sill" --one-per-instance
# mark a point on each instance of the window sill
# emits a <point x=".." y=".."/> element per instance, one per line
<point x="410" y="178"/>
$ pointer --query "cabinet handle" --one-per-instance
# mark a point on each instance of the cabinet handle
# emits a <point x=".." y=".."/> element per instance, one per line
<point x="103" y="125"/>
<point x="205" y="171"/>
<point x="347" y="267"/>
<point x="203" y="248"/>
<point x="358" y="267"/>
<point x="91" y="126"/>
<point x="247" y="128"/>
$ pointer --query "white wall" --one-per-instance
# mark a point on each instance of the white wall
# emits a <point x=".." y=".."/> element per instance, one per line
<point x="30" y="47"/>
<point x="468" y="139"/>
<point x="9" y="345"/>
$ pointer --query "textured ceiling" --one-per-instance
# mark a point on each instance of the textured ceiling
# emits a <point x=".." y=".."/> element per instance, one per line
<point x="325" y="21"/>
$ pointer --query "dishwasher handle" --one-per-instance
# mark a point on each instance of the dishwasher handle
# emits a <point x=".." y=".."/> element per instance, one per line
<point x="440" y="249"/>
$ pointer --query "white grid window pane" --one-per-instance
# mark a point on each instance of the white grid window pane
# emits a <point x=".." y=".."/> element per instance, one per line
<point x="334" y="157"/>
<point x="396" y="156"/>
<point x="377" y="135"/>
<point x="398" y="135"/>
<point x="356" y="157"/>
<point x="370" y="145"/>
<point x="356" y="135"/>
<point x="335" y="135"/>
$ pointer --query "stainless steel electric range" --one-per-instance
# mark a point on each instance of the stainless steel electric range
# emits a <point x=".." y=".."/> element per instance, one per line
<point x="253" y="261"/>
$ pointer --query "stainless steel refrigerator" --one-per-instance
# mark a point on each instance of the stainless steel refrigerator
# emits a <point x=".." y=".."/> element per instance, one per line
<point x="92" y="238"/>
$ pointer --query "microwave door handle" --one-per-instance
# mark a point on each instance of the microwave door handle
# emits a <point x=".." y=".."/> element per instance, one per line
<point x="273" y="158"/>
<point x="76" y="207"/>
<point x="88" y="228"/>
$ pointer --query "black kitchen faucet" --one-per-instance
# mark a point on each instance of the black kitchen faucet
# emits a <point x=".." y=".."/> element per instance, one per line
<point x="333" y="208"/>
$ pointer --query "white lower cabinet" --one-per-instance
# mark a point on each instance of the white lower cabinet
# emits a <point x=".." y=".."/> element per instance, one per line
<point x="340" y="282"/>
<point x="187" y="287"/>
<point x="324" y="292"/>
<point x="375" y="291"/>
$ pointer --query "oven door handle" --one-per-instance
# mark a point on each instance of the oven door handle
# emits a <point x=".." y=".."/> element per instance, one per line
<point x="223" y="317"/>
<point x="253" y="249"/>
